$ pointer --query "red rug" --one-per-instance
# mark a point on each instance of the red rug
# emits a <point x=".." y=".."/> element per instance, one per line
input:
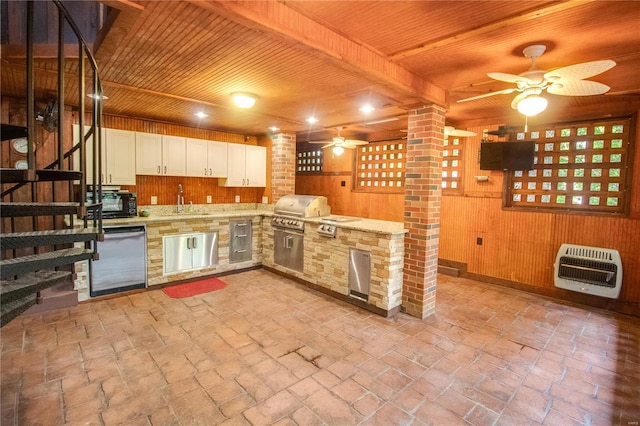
<point x="194" y="288"/>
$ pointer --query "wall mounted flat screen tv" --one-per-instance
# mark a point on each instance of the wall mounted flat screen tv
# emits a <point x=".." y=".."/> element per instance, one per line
<point x="507" y="155"/>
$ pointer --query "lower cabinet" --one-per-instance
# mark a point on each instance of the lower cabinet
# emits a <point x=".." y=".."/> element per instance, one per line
<point x="187" y="252"/>
<point x="239" y="240"/>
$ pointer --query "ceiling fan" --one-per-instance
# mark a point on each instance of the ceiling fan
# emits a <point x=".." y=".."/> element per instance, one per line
<point x="452" y="131"/>
<point x="339" y="143"/>
<point x="565" y="81"/>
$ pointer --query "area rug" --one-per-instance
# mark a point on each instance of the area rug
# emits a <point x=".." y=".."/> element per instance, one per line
<point x="194" y="288"/>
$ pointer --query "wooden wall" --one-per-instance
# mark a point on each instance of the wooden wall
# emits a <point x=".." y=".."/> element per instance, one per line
<point x="518" y="247"/>
<point x="336" y="183"/>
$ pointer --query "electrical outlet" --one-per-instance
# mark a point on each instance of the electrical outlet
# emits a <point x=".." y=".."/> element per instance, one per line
<point x="343" y="183"/>
<point x="209" y="199"/>
<point x="265" y="200"/>
<point x="154" y="199"/>
<point x="237" y="198"/>
<point x="479" y="241"/>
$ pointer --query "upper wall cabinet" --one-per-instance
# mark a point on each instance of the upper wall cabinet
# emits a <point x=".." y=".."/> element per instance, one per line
<point x="160" y="155"/>
<point x="206" y="158"/>
<point x="247" y="166"/>
<point x="118" y="157"/>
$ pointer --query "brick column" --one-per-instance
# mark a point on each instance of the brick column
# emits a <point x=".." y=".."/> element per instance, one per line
<point x="423" y="191"/>
<point x="283" y="165"/>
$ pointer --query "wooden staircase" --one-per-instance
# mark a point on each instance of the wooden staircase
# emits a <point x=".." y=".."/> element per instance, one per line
<point x="44" y="230"/>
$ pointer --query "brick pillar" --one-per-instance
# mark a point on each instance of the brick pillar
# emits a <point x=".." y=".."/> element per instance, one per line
<point x="283" y="165"/>
<point x="422" y="195"/>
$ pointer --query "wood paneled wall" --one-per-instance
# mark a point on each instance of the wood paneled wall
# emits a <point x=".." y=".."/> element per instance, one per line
<point x="518" y="247"/>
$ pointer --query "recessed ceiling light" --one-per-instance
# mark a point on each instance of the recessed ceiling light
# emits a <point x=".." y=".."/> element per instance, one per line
<point x="312" y="120"/>
<point x="274" y="128"/>
<point x="244" y="100"/>
<point x="201" y="114"/>
<point x="367" y="108"/>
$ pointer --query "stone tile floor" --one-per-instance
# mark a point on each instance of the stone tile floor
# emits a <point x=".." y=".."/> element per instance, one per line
<point x="266" y="350"/>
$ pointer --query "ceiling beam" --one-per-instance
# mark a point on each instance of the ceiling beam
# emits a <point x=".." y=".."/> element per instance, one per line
<point x="295" y="29"/>
<point x="533" y="13"/>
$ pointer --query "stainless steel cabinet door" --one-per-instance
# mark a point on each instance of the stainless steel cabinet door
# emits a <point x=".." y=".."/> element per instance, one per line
<point x="288" y="250"/>
<point x="176" y="253"/>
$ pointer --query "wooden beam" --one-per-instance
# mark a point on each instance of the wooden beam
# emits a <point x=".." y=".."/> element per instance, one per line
<point x="533" y="13"/>
<point x="295" y="29"/>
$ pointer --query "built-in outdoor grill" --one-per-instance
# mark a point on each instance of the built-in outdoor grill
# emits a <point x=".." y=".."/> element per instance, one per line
<point x="288" y="222"/>
<point x="291" y="209"/>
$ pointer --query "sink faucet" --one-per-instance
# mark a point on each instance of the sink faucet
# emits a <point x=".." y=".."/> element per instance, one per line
<point x="180" y="205"/>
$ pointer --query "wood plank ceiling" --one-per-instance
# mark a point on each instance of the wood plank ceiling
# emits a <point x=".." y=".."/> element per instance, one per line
<point x="166" y="60"/>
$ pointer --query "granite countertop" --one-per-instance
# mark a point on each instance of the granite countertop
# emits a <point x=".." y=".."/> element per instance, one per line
<point x="204" y="211"/>
<point x="360" y="224"/>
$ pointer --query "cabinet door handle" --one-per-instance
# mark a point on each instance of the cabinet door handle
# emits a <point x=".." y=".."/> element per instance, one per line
<point x="210" y="172"/>
<point x="109" y="177"/>
<point x="165" y="170"/>
<point x="240" y="251"/>
<point x="247" y="181"/>
<point x="188" y="243"/>
<point x="241" y="236"/>
<point x="194" y="243"/>
<point x="158" y="169"/>
<point x="205" y="171"/>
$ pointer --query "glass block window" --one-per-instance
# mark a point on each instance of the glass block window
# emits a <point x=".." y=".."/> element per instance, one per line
<point x="380" y="167"/>
<point x="309" y="161"/>
<point x="580" y="167"/>
<point x="452" y="166"/>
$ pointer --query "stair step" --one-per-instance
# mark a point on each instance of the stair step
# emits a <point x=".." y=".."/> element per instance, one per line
<point x="45" y="175"/>
<point x="10" y="310"/>
<point x="61" y="295"/>
<point x="37" y="209"/>
<point x="36" y="262"/>
<point x="30" y="284"/>
<point x="47" y="238"/>
<point x="10" y="131"/>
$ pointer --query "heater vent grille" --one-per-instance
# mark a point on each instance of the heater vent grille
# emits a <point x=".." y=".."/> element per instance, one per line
<point x="589" y="270"/>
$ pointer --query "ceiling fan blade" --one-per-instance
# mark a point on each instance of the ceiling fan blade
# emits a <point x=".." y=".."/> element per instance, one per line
<point x="509" y="78"/>
<point x="451" y="131"/>
<point x="354" y="142"/>
<point x="580" y="71"/>
<point x="320" y="142"/>
<point x="328" y="145"/>
<point x="486" y="95"/>
<point x="578" y="88"/>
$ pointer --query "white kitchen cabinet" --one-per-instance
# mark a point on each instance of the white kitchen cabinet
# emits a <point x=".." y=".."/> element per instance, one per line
<point x="118" y="157"/>
<point x="160" y="155"/>
<point x="206" y="158"/>
<point x="187" y="252"/>
<point x="247" y="166"/>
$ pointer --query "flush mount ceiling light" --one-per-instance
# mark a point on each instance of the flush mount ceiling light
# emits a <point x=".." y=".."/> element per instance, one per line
<point x="366" y="108"/>
<point x="243" y="100"/>
<point x="338" y="150"/>
<point x="312" y="120"/>
<point x="274" y="128"/>
<point x="201" y="114"/>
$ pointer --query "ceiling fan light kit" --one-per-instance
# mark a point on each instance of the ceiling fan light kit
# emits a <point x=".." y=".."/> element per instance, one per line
<point x="565" y="81"/>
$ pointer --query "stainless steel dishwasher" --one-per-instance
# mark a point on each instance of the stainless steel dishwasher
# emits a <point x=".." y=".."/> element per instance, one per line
<point x="123" y="261"/>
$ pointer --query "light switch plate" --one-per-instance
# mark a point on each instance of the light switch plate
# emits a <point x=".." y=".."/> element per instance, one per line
<point x="237" y="198"/>
<point x="265" y="200"/>
<point x="209" y="200"/>
<point x="154" y="200"/>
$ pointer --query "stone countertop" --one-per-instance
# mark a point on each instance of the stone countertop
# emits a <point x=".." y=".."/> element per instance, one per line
<point x="360" y="224"/>
<point x="204" y="211"/>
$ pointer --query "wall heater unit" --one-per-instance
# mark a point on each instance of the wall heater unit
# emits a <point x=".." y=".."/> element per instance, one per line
<point x="590" y="270"/>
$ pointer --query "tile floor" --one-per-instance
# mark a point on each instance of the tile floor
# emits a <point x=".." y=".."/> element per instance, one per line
<point x="266" y="350"/>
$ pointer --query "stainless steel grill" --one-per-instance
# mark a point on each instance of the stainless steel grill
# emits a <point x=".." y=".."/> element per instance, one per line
<point x="290" y="210"/>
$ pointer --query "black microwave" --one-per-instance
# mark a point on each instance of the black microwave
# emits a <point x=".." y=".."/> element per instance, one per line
<point x="115" y="204"/>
